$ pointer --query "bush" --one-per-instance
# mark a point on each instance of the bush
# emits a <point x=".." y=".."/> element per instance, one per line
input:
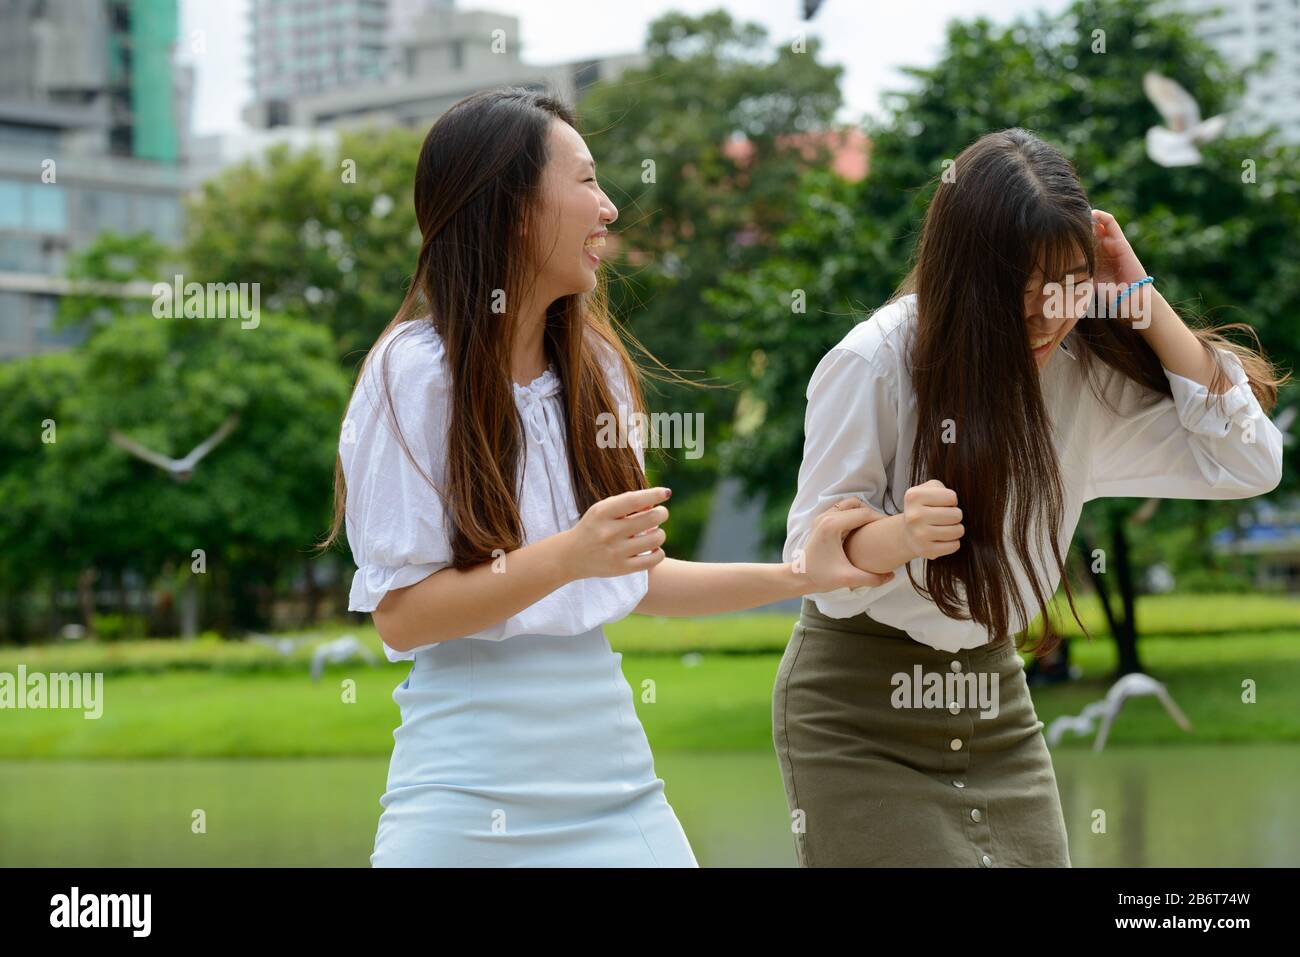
<point x="119" y="627"/>
<point x="1211" y="580"/>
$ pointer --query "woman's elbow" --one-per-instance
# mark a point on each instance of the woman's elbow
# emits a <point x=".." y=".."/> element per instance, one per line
<point x="1272" y="445"/>
<point x="388" y="624"/>
<point x="1273" y="476"/>
<point x="393" y="622"/>
<point x="1270" y="461"/>
<point x="1263" y="476"/>
<point x="404" y="622"/>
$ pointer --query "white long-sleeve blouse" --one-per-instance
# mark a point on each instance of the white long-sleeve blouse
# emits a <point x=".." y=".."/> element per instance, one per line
<point x="396" y="526"/>
<point x="861" y="421"/>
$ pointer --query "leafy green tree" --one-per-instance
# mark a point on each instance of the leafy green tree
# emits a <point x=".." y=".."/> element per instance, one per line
<point x="329" y="234"/>
<point x="101" y="271"/>
<point x="258" y="500"/>
<point x="38" y="514"/>
<point x="253" y="506"/>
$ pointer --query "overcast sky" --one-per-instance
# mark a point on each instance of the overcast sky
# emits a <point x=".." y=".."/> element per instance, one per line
<point x="869" y="38"/>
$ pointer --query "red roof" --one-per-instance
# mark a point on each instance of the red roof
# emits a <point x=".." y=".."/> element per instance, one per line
<point x="850" y="149"/>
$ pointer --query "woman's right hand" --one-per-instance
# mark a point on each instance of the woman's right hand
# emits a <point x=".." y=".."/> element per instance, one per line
<point x="931" y="520"/>
<point x="612" y="536"/>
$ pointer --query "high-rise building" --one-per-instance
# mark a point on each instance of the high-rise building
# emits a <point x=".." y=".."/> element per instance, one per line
<point x="436" y="55"/>
<point x="111" y="58"/>
<point x="310" y="47"/>
<point x="1246" y="31"/>
<point x="93" y="119"/>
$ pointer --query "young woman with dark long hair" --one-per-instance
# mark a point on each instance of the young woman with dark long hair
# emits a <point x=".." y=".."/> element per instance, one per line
<point x="497" y="529"/>
<point x="1026" y="365"/>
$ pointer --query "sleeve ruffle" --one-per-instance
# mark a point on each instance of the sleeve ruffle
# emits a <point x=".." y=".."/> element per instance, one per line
<point x="1213" y="415"/>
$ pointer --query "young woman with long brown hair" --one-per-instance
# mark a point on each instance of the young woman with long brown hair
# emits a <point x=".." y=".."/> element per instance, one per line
<point x="978" y="410"/>
<point x="494" y="529"/>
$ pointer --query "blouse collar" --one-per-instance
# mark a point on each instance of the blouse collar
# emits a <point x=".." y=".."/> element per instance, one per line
<point x="546" y="384"/>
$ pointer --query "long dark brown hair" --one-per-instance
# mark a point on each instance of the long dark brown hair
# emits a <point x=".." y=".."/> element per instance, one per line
<point x="476" y="195"/>
<point x="1013" y="204"/>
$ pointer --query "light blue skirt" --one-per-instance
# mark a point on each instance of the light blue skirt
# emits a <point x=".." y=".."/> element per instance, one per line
<point x="523" y="752"/>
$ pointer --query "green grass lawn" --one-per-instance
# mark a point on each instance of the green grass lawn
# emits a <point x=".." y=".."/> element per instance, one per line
<point x="1204" y="616"/>
<point x="208" y="699"/>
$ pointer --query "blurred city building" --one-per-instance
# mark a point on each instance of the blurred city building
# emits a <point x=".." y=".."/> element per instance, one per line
<point x="1245" y="31"/>
<point x="350" y="63"/>
<point x="1270" y="533"/>
<point x="94" y="113"/>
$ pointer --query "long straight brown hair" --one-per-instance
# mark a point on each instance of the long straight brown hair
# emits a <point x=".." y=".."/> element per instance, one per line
<point x="476" y="197"/>
<point x="1013" y="203"/>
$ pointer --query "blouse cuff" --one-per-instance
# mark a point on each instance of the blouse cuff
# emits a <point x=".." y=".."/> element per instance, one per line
<point x="372" y="582"/>
<point x="845" y="602"/>
<point x="1213" y="415"/>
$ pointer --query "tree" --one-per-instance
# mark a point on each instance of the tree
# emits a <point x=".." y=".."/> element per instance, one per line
<point x="87" y="509"/>
<point x="38" y="515"/>
<point x="102" y="273"/>
<point x="329" y="234"/>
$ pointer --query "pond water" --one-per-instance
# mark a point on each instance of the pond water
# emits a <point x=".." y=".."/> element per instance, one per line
<point x="1191" y="806"/>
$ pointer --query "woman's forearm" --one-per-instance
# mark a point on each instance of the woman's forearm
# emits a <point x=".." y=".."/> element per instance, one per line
<point x="1174" y="344"/>
<point x="879" y="547"/>
<point x="683" y="589"/>
<point x="452" y="604"/>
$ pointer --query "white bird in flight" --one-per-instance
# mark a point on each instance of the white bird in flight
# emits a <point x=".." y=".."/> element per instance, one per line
<point x="1133" y="685"/>
<point x="179" y="469"/>
<point x="1174" y="144"/>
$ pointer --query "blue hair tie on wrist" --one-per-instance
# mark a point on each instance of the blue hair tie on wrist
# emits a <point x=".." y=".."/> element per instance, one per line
<point x="1132" y="286"/>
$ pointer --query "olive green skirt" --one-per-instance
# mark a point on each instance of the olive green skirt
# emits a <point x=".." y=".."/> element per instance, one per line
<point x="897" y="754"/>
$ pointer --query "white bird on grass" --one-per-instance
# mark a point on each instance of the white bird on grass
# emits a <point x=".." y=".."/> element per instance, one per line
<point x="179" y="469"/>
<point x="1135" y="685"/>
<point x="340" y="649"/>
<point x="1174" y="144"/>
<point x="285" y="646"/>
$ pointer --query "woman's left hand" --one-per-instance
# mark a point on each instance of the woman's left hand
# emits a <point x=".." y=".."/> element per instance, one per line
<point x="1117" y="264"/>
<point x="824" y="560"/>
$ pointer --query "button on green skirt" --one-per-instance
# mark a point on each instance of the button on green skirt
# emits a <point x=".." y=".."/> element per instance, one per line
<point x="897" y="754"/>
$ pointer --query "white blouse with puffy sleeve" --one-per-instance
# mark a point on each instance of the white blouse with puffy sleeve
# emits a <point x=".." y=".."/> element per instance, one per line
<point x="396" y="525"/>
<point x="861" y="422"/>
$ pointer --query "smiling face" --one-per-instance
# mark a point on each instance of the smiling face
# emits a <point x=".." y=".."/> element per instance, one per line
<point x="1054" y="301"/>
<point x="572" y="216"/>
